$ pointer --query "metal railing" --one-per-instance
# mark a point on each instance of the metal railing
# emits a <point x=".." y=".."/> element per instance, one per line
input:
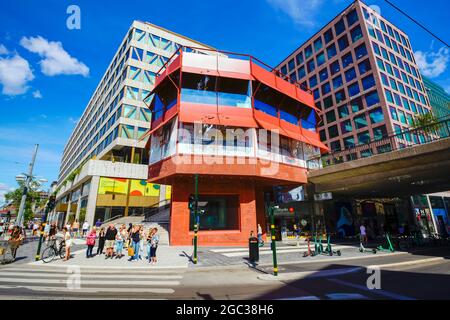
<point x="402" y="140"/>
<point x="155" y="209"/>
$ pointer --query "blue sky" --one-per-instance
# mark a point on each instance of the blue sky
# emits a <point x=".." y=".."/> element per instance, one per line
<point x="48" y="72"/>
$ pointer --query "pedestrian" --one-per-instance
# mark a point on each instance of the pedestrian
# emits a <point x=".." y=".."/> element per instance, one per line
<point x="101" y="241"/>
<point x="135" y="238"/>
<point x="47" y="230"/>
<point x="120" y="238"/>
<point x="141" y="241"/>
<point x="67" y="242"/>
<point x="15" y="240"/>
<point x="362" y="230"/>
<point x="110" y="239"/>
<point x="35" y="228"/>
<point x="90" y="241"/>
<point x="98" y="224"/>
<point x="2" y="228"/>
<point x="260" y="233"/>
<point x="85" y="228"/>
<point x="154" y="240"/>
<point x="75" y="228"/>
<point x="52" y="232"/>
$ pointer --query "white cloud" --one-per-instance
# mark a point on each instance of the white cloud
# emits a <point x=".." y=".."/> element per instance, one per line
<point x="433" y="64"/>
<point x="15" y="73"/>
<point x="3" y="49"/>
<point x="37" y="94"/>
<point x="56" y="60"/>
<point x="73" y="120"/>
<point x="302" y="12"/>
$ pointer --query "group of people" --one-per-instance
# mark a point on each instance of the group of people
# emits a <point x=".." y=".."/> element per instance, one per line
<point x="75" y="230"/>
<point x="112" y="242"/>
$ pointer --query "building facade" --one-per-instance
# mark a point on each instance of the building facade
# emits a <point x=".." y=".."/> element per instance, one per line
<point x="103" y="169"/>
<point x="241" y="129"/>
<point x="439" y="98"/>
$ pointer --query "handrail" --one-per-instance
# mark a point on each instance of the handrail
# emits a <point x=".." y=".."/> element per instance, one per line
<point x="154" y="205"/>
<point x="398" y="141"/>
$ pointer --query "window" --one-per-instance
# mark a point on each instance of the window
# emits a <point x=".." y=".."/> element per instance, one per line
<point x="316" y="94"/>
<point x="360" y="121"/>
<point x="350" y="74"/>
<point x="360" y="51"/>
<point x="401" y="117"/>
<point x="364" y="67"/>
<point x="328" y="102"/>
<point x="349" y="142"/>
<point x="356" y="34"/>
<point x="323" y="75"/>
<point x="346" y="126"/>
<point x="394" y="115"/>
<point x="340" y="96"/>
<point x="335" y="146"/>
<point x="330" y="116"/>
<point x="406" y="104"/>
<point x="356" y="105"/>
<point x="376" y="116"/>
<point x="333" y="131"/>
<point x="337" y="82"/>
<point x="347" y="60"/>
<point x="393" y="84"/>
<point x="343" y="42"/>
<point x="389" y="96"/>
<point x="376" y="48"/>
<point x="266" y="100"/>
<point x="381" y="64"/>
<point x="352" y="17"/>
<point x="368" y="82"/>
<point x="299" y="58"/>
<point x="379" y="133"/>
<point x="339" y="27"/>
<point x="323" y="135"/>
<point x="326" y="88"/>
<point x="320" y="59"/>
<point x="318" y="44"/>
<point x="313" y="81"/>
<point x="311" y="66"/>
<point x="335" y="67"/>
<point x="353" y="89"/>
<point x="372" y="98"/>
<point x="343" y="111"/>
<point x="301" y="72"/>
<point x="221" y="212"/>
<point x="384" y="79"/>
<point x="328" y="36"/>
<point x="331" y="51"/>
<point x="364" y="137"/>
<point x="308" y="52"/>
<point x="291" y="65"/>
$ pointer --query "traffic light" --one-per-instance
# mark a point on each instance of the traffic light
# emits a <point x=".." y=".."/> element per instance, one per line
<point x="291" y="210"/>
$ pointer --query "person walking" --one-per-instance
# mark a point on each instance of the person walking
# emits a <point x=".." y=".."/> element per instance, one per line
<point x="141" y="241"/>
<point x="260" y="233"/>
<point x="15" y="240"/>
<point x="362" y="230"/>
<point x="75" y="228"/>
<point x="110" y="239"/>
<point x="90" y="241"/>
<point x="98" y="224"/>
<point x="85" y="229"/>
<point x="135" y="238"/>
<point x="154" y="240"/>
<point x="67" y="242"/>
<point x="101" y="241"/>
<point x="120" y="238"/>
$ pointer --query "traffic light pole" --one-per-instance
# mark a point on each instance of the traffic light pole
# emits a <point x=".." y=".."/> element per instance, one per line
<point x="41" y="237"/>
<point x="273" y="242"/>
<point x="196" y="222"/>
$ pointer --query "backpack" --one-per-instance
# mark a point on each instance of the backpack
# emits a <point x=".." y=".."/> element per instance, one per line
<point x="90" y="241"/>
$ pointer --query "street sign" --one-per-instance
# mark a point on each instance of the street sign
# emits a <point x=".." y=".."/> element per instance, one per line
<point x="323" y="196"/>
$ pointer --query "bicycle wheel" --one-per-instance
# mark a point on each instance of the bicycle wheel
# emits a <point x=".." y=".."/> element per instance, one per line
<point x="48" y="255"/>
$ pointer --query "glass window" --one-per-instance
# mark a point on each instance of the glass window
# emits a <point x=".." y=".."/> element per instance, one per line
<point x="353" y="89"/>
<point x="318" y="44"/>
<point x="343" y="42"/>
<point x="323" y="135"/>
<point x="356" y="34"/>
<point x="393" y="84"/>
<point x="364" y="137"/>
<point x="406" y="104"/>
<point x="389" y="96"/>
<point x="360" y="51"/>
<point x="401" y="117"/>
<point x="335" y="67"/>
<point x="328" y="102"/>
<point x="368" y="82"/>
<point x="320" y="59"/>
<point x="379" y="36"/>
<point x="337" y="82"/>
<point x="380" y="64"/>
<point x="299" y="58"/>
<point x="347" y="60"/>
<point x="397" y="99"/>
<point x="364" y="67"/>
<point x="346" y="126"/>
<point x="340" y="96"/>
<point x="376" y="48"/>
<point x="379" y="133"/>
<point x="356" y="105"/>
<point x="331" y="51"/>
<point x="333" y="132"/>
<point x="291" y="65"/>
<point x="335" y="146"/>
<point x="349" y="142"/>
<point x="343" y="111"/>
<point x="350" y="74"/>
<point x="360" y="121"/>
<point x="316" y="94"/>
<point x="308" y="52"/>
<point x="352" y="17"/>
<point x="328" y="36"/>
<point x="221" y="212"/>
<point x="384" y="79"/>
<point x="301" y="72"/>
<point x="326" y="88"/>
<point x="323" y="74"/>
<point x="330" y="116"/>
<point x="394" y="115"/>
<point x="313" y="81"/>
<point x="376" y="116"/>
<point x="283" y="69"/>
<point x="383" y="26"/>
<point x="311" y="66"/>
<point x="339" y="27"/>
<point x="372" y="98"/>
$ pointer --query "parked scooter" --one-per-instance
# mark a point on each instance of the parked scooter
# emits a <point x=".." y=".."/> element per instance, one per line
<point x="329" y="250"/>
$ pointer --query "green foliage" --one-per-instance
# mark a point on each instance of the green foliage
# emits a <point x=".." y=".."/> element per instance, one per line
<point x="427" y="121"/>
<point x="33" y="197"/>
<point x="82" y="215"/>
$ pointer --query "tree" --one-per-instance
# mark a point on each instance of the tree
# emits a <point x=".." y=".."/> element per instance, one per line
<point x="33" y="197"/>
<point x="428" y="122"/>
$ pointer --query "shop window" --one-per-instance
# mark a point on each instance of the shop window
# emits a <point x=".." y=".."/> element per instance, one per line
<point x="218" y="212"/>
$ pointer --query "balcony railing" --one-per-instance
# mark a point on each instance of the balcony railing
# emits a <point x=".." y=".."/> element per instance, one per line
<point x="405" y="139"/>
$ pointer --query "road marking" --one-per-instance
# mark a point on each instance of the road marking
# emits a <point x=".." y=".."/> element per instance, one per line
<point x="84" y="275"/>
<point x="283" y="250"/>
<point x="94" y="282"/>
<point x="380" y="292"/>
<point x="92" y="290"/>
<point x="407" y="263"/>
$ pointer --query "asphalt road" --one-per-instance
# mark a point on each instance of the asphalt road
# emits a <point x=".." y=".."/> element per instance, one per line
<point x="401" y="277"/>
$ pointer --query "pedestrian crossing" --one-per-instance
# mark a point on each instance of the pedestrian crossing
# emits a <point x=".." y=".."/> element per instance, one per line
<point x="243" y="252"/>
<point x="76" y="281"/>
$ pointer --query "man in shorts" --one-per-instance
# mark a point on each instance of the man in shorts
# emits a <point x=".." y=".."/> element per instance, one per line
<point x="110" y="239"/>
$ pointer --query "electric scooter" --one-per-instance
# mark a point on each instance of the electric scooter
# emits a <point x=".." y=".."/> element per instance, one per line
<point x="389" y="247"/>
<point x="329" y="250"/>
<point x="309" y="253"/>
<point x="364" y="249"/>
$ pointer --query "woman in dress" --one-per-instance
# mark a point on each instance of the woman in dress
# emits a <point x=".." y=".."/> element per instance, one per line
<point x="67" y="242"/>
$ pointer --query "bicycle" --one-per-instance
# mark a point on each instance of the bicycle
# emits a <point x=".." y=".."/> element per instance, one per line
<point x="49" y="253"/>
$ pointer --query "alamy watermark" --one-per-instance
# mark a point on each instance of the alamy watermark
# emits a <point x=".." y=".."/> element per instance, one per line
<point x="73" y="21"/>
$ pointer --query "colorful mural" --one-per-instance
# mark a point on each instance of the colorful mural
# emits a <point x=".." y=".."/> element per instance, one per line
<point x="137" y="187"/>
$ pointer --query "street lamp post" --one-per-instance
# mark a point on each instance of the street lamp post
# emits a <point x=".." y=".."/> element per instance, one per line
<point x="196" y="218"/>
<point x="28" y="178"/>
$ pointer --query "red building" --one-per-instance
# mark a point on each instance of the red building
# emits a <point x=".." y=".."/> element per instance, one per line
<point x="237" y="124"/>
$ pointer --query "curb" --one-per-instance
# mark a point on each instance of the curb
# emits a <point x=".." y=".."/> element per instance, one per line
<point x="407" y="263"/>
<point x="308" y="274"/>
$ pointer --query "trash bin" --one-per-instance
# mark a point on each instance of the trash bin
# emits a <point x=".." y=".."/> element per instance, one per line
<point x="253" y="249"/>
